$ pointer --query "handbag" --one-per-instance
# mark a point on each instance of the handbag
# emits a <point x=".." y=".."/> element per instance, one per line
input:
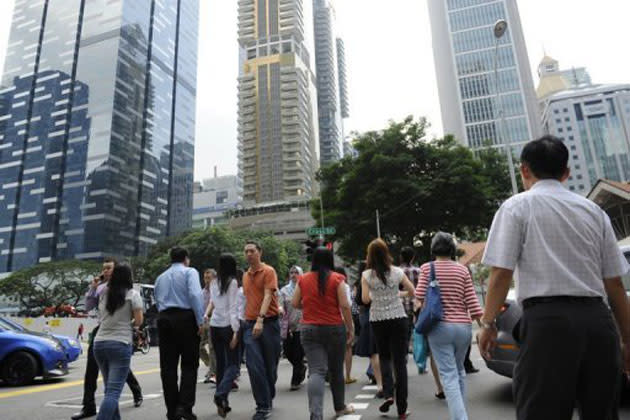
<point x="420" y="352"/>
<point x="432" y="312"/>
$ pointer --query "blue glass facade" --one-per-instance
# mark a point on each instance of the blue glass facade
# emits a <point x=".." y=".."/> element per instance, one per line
<point x="97" y="111"/>
<point x="471" y="24"/>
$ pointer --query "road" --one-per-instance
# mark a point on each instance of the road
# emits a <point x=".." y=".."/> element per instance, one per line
<point x="489" y="396"/>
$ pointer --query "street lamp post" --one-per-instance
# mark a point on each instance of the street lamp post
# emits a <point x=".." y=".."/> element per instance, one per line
<point x="499" y="30"/>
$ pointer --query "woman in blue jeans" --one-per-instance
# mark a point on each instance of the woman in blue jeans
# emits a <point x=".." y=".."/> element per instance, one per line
<point x="118" y="305"/>
<point x="224" y="330"/>
<point x="450" y="338"/>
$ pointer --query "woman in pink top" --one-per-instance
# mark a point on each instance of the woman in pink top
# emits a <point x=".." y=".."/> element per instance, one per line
<point x="449" y="339"/>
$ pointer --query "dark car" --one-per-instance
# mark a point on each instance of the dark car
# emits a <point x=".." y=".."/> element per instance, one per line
<point x="24" y="356"/>
<point x="71" y="346"/>
<point x="503" y="357"/>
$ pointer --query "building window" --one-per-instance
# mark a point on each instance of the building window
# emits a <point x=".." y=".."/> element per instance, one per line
<point x="560" y="130"/>
<point x="555" y="111"/>
<point x="567" y="119"/>
<point x="565" y="110"/>
<point x="572" y="188"/>
<point x="577" y="167"/>
<point x="579" y="177"/>
<point x="573" y="147"/>
<point x="571" y="138"/>
<point x="558" y="121"/>
<point x="222" y="197"/>
<point x="569" y="128"/>
<point x="575" y="157"/>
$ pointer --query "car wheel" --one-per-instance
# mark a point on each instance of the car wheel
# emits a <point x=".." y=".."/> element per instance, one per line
<point x="19" y="369"/>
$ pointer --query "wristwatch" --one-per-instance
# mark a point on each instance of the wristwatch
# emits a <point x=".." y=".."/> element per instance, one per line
<point x="492" y="325"/>
<point x="261" y="316"/>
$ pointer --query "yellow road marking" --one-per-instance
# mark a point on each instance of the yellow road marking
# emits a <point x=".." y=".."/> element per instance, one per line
<point x="42" y="388"/>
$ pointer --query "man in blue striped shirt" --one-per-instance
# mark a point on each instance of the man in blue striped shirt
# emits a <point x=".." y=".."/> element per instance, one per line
<point x="180" y="303"/>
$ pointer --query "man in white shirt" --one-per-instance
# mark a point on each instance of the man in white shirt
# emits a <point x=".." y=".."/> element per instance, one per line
<point x="563" y="253"/>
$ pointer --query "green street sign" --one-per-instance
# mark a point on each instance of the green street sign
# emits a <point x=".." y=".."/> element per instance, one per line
<point x="316" y="231"/>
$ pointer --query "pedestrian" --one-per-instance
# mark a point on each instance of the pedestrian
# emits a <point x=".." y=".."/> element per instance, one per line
<point x="119" y="304"/>
<point x="88" y="404"/>
<point x="569" y="267"/>
<point x="206" y="349"/>
<point x="366" y="343"/>
<point x="80" y="332"/>
<point x="321" y="293"/>
<point x="412" y="271"/>
<point x="179" y="301"/>
<point x="450" y="338"/>
<point x="262" y="329"/>
<point x="290" y="329"/>
<point x="348" y="354"/>
<point x="225" y="325"/>
<point x="381" y="284"/>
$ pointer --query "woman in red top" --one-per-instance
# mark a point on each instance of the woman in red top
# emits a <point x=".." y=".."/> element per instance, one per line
<point x="321" y="294"/>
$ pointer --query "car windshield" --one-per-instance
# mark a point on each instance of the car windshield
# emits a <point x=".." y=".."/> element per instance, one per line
<point x="8" y="325"/>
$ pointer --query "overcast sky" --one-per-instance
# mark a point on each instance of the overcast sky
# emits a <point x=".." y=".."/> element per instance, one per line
<point x="389" y="60"/>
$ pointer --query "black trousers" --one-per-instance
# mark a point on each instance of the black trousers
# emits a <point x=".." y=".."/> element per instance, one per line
<point x="91" y="376"/>
<point x="392" y="342"/>
<point x="570" y="356"/>
<point x="293" y="350"/>
<point x="179" y="346"/>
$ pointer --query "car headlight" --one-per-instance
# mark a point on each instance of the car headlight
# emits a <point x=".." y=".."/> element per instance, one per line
<point x="73" y="342"/>
<point x="54" y="344"/>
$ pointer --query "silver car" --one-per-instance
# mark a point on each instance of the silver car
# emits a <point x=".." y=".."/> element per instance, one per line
<point x="503" y="357"/>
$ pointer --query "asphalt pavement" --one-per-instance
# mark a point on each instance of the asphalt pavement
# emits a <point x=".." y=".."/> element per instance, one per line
<point x="489" y="396"/>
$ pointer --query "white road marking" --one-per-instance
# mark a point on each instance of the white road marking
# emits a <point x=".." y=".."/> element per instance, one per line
<point x="365" y="397"/>
<point x="359" y="406"/>
<point x="370" y="388"/>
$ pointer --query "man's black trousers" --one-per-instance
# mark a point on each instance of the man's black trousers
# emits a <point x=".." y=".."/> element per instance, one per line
<point x="569" y="357"/>
<point x="91" y="376"/>
<point x="179" y="345"/>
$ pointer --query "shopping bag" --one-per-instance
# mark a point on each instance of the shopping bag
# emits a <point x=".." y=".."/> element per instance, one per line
<point x="432" y="311"/>
<point x="420" y="352"/>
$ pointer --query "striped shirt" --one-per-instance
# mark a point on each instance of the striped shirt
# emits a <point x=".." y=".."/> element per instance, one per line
<point x="459" y="300"/>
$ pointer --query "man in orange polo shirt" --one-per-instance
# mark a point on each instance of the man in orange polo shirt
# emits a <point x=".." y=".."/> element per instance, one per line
<point x="261" y="334"/>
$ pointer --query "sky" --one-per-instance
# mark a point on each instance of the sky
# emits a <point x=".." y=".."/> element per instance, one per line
<point x="389" y="61"/>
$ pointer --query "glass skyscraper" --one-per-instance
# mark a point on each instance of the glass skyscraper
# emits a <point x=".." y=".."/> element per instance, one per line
<point x="97" y="122"/>
<point x="464" y="52"/>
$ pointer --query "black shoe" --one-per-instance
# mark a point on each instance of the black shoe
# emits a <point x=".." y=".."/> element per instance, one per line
<point x="137" y="401"/>
<point x="181" y="413"/>
<point x="379" y="395"/>
<point x="472" y="369"/>
<point x="84" y="413"/>
<point x="223" y="407"/>
<point x="440" y="396"/>
<point x="384" y="408"/>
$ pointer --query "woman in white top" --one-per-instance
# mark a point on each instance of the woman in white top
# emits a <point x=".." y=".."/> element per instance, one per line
<point x="380" y="285"/>
<point x="118" y="305"/>
<point x="224" y="327"/>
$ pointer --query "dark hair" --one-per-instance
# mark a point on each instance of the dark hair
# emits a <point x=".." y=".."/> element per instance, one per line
<point x="443" y="245"/>
<point x="379" y="259"/>
<point x="323" y="263"/>
<point x="178" y="255"/>
<point x="117" y="287"/>
<point x="546" y="157"/>
<point x="256" y="244"/>
<point x="407" y="254"/>
<point x="239" y="277"/>
<point x="227" y="271"/>
<point x="109" y="260"/>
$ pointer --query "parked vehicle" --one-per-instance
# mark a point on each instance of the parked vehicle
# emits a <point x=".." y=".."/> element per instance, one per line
<point x="71" y="347"/>
<point x="24" y="356"/>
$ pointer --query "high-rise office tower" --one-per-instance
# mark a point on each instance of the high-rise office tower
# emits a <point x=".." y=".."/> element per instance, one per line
<point x="464" y="54"/>
<point x="328" y="83"/>
<point x="343" y="79"/>
<point x="277" y="101"/>
<point x="97" y="123"/>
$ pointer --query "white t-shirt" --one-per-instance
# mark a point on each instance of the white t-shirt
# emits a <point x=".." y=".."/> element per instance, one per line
<point x="225" y="306"/>
<point x="117" y="326"/>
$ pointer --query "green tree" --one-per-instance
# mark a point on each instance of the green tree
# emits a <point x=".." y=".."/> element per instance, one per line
<point x="206" y="245"/>
<point x="50" y="284"/>
<point x="418" y="185"/>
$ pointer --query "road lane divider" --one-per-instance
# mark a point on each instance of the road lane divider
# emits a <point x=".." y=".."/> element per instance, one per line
<point x="43" y="388"/>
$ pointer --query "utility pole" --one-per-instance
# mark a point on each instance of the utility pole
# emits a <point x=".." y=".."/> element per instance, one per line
<point x="378" y="225"/>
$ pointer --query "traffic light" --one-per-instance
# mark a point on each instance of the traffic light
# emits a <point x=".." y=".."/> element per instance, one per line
<point x="311" y="245"/>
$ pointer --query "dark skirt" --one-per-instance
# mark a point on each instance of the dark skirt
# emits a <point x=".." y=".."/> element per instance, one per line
<point x="366" y="344"/>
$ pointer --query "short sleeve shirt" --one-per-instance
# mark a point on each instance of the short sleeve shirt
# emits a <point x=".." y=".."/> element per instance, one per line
<point x="558" y="243"/>
<point x="386" y="302"/>
<point x="117" y="326"/>
<point x="320" y="309"/>
<point x="254" y="285"/>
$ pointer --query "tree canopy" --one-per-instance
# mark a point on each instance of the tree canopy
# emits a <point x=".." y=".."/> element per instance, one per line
<point x="419" y="187"/>
<point x="206" y="245"/>
<point x="50" y="284"/>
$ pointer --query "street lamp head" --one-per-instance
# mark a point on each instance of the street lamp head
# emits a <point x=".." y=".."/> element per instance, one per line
<point x="500" y="27"/>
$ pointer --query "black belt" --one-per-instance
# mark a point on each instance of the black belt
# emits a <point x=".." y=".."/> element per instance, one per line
<point x="175" y="310"/>
<point x="266" y="319"/>
<point x="528" y="303"/>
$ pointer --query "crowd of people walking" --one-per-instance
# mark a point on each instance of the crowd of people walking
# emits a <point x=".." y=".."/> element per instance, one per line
<point x="321" y="318"/>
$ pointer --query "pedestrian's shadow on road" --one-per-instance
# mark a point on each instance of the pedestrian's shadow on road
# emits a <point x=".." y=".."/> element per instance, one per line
<point x="49" y="381"/>
<point x="502" y="393"/>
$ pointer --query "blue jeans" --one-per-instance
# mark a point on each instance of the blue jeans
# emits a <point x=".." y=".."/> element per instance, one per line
<point x="262" y="355"/>
<point x="449" y="344"/>
<point x="228" y="362"/>
<point x="113" y="358"/>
